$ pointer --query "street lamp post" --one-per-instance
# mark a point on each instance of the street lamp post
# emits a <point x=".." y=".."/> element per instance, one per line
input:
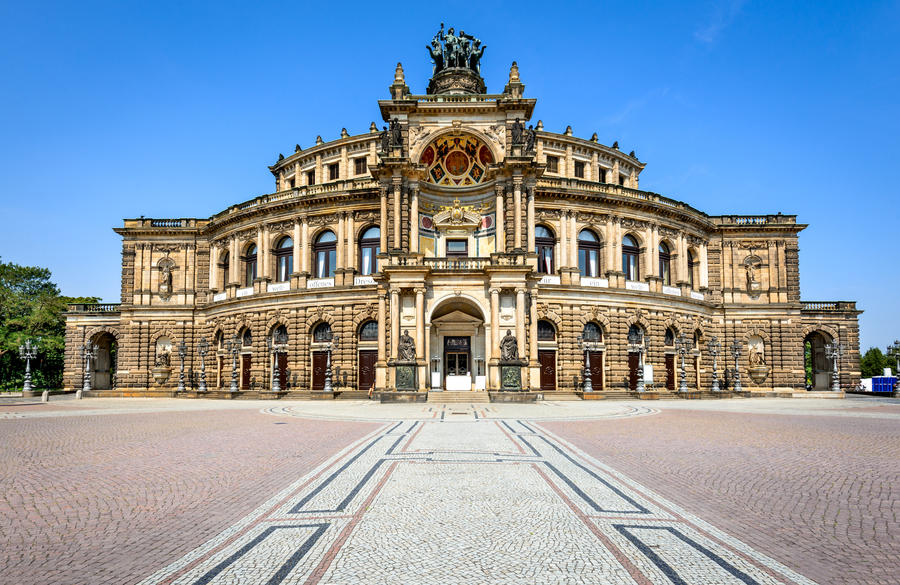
<point x="233" y="347"/>
<point x="714" y="347"/>
<point x="682" y="346"/>
<point x="28" y="351"/>
<point x="636" y="341"/>
<point x="736" y="354"/>
<point x="834" y="351"/>
<point x="331" y="343"/>
<point x="202" y="349"/>
<point x="277" y="344"/>
<point x="88" y="350"/>
<point x="182" y="353"/>
<point x="585" y="345"/>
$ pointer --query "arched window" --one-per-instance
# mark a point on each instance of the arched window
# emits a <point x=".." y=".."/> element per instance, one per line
<point x="665" y="264"/>
<point x="325" y="251"/>
<point x="592" y="332"/>
<point x="280" y="335"/>
<point x="589" y="254"/>
<point x="631" y="263"/>
<point x="546" y="331"/>
<point x="219" y="341"/>
<point x="224" y="266"/>
<point x="544" y="243"/>
<point x="635" y="335"/>
<point x="322" y="332"/>
<point x="669" y="338"/>
<point x="368" y="331"/>
<point x="369" y="249"/>
<point x="246" y="338"/>
<point x="692" y="263"/>
<point x="284" y="259"/>
<point x="250" y="265"/>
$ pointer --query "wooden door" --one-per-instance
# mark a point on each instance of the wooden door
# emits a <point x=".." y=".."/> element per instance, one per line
<point x="670" y="372"/>
<point x="246" y="362"/>
<point x="596" y="370"/>
<point x="281" y="370"/>
<point x="367" y="359"/>
<point x="634" y="361"/>
<point x="547" y="360"/>
<point x="320" y="362"/>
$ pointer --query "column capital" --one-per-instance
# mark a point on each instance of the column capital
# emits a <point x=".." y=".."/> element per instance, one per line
<point x="499" y="189"/>
<point x="396" y="180"/>
<point x="419" y="290"/>
<point x="495" y="291"/>
<point x="520" y="290"/>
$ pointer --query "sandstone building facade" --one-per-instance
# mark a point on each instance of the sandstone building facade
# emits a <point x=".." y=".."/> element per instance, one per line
<point x="411" y="252"/>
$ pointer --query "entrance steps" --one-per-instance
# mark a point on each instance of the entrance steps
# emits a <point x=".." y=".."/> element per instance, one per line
<point x="459" y="398"/>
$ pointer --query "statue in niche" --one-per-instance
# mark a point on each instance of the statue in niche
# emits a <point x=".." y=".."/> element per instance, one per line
<point x="165" y="277"/>
<point x="756" y="356"/>
<point x="406" y="348"/>
<point x="385" y="139"/>
<point x="752" y="266"/>
<point x="518" y="128"/>
<point x="396" y="133"/>
<point x="509" y="347"/>
<point x="163" y="359"/>
<point x="530" y="137"/>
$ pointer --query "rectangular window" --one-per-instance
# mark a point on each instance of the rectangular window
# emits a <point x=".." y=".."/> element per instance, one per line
<point x="290" y="184"/>
<point x="552" y="164"/>
<point x="579" y="169"/>
<point x="310" y="177"/>
<point x="334" y="171"/>
<point x="602" y="177"/>
<point x="622" y="180"/>
<point x="360" y="165"/>
<point x="458" y="248"/>
<point x="588" y="262"/>
<point x="325" y="263"/>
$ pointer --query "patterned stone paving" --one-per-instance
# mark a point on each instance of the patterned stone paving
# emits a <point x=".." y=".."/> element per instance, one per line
<point x="470" y="501"/>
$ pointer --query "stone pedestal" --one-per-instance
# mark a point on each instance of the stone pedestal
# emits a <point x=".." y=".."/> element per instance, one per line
<point x="406" y="376"/>
<point x="511" y="375"/>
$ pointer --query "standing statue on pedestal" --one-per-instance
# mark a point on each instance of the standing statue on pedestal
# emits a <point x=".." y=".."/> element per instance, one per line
<point x="406" y="348"/>
<point x="396" y="133"/>
<point x="509" y="347"/>
<point x="458" y="51"/>
<point x="530" y="136"/>
<point x="385" y="139"/>
<point x="518" y="129"/>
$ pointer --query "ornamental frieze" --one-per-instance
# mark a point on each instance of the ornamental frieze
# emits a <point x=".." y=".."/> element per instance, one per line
<point x="281" y="226"/>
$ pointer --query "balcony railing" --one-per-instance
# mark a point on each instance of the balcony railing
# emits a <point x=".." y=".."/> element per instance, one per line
<point x="94" y="307"/>
<point x="451" y="263"/>
<point x="752" y="220"/>
<point x="828" y="306"/>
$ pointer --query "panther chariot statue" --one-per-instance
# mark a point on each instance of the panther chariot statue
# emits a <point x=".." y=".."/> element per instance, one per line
<point x="457" y="63"/>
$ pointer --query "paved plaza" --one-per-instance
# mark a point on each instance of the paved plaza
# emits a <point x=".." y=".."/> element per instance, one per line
<point x="165" y="491"/>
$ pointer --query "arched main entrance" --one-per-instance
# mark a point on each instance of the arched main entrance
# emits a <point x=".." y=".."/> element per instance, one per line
<point x="457" y="347"/>
<point x="103" y="367"/>
<point x="816" y="364"/>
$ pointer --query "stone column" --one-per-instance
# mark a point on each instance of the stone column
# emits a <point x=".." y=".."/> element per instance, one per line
<point x="298" y="246"/>
<point x="517" y="213"/>
<point x="213" y="260"/>
<point x="304" y="244"/>
<point x="530" y="219"/>
<point x="382" y="325"/>
<point x="520" y="319"/>
<point x="398" y="211"/>
<point x="501" y="227"/>
<point x="495" y="323"/>
<point x="420" y="322"/>
<point x="384" y="241"/>
<point x="563" y="240"/>
<point x="414" y="218"/>
<point x="704" y="266"/>
<point x="573" y="240"/>
<point x="261" y="253"/>
<point x="681" y="274"/>
<point x="341" y="243"/>
<point x="234" y="263"/>
<point x="349" y="251"/>
<point x="395" y="322"/>
<point x="610" y="238"/>
<point x="654" y="243"/>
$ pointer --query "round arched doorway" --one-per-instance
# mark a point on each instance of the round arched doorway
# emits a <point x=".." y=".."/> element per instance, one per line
<point x="457" y="346"/>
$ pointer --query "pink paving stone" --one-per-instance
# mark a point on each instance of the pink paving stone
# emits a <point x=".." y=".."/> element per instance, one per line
<point x="112" y="498"/>
<point x="818" y="493"/>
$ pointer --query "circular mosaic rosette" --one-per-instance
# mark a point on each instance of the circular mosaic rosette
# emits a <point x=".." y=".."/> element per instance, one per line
<point x="456" y="161"/>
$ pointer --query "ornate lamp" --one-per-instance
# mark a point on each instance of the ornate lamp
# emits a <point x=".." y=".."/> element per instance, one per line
<point x="834" y="351"/>
<point x="28" y="351"/>
<point x="682" y="346"/>
<point x="182" y="353"/>
<point x="636" y="340"/>
<point x="88" y="350"/>
<point x="714" y="346"/>
<point x="202" y="349"/>
<point x="736" y="354"/>
<point x="233" y="346"/>
<point x="331" y="343"/>
<point x="588" y="385"/>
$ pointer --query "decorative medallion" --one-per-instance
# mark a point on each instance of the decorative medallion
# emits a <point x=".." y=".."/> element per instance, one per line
<point x="457" y="160"/>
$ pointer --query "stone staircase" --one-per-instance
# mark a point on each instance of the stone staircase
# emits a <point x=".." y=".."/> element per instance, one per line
<point x="458" y="398"/>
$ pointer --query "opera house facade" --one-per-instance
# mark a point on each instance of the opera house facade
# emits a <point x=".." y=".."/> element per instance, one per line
<point x="461" y="247"/>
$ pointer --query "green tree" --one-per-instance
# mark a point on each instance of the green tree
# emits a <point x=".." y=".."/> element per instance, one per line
<point x="31" y="306"/>
<point x="873" y="363"/>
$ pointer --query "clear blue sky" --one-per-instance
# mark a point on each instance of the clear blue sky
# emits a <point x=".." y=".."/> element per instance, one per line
<point x="174" y="109"/>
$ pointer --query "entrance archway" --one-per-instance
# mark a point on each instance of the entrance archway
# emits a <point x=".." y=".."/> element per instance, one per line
<point x="103" y="366"/>
<point x="457" y="346"/>
<point x="816" y="364"/>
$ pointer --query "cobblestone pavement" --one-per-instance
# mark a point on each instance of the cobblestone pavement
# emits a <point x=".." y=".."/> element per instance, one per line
<point x="90" y="500"/>
<point x="819" y="493"/>
<point x="682" y="492"/>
